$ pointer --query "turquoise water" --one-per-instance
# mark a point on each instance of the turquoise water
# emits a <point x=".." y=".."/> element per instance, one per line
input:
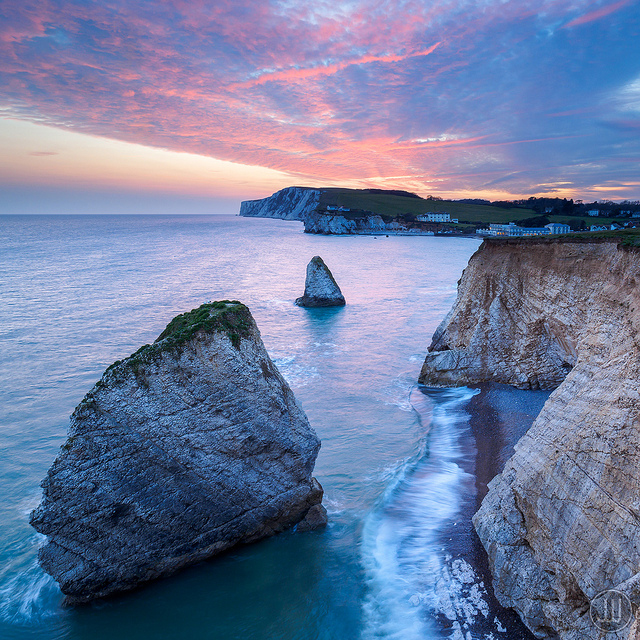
<point x="397" y="464"/>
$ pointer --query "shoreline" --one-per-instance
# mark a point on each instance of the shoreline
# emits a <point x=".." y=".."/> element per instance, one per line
<point x="497" y="417"/>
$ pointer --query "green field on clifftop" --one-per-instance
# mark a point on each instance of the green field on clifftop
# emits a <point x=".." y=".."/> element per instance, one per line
<point x="392" y="205"/>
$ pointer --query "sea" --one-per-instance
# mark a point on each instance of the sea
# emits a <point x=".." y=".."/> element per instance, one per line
<point x="404" y="467"/>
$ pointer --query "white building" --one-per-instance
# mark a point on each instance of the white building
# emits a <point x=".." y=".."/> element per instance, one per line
<point x="512" y="229"/>
<point x="594" y="212"/>
<point x="435" y="217"/>
<point x="556" y="227"/>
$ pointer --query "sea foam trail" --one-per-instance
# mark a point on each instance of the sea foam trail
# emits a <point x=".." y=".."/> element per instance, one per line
<point x="29" y="596"/>
<point x="410" y="577"/>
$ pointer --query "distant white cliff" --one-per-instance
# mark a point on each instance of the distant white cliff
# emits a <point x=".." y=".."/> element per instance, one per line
<point x="326" y="224"/>
<point x="288" y="204"/>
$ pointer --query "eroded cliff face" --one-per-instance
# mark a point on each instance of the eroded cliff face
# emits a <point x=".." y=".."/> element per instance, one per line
<point x="321" y="223"/>
<point x="291" y="203"/>
<point x="562" y="522"/>
<point x="191" y="445"/>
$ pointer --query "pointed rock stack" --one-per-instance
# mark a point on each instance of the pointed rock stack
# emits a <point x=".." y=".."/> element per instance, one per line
<point x="191" y="445"/>
<point x="320" y="289"/>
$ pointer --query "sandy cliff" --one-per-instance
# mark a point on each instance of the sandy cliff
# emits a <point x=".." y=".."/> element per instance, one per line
<point x="189" y="446"/>
<point x="562" y="522"/>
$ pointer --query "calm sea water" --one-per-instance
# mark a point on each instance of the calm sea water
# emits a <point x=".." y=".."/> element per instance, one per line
<point x="399" y="464"/>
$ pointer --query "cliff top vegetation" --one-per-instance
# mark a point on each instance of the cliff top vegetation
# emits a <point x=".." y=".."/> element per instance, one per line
<point x="624" y="237"/>
<point x="530" y="212"/>
<point x="226" y="316"/>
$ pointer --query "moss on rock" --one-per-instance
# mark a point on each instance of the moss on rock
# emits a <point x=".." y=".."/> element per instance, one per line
<point x="225" y="316"/>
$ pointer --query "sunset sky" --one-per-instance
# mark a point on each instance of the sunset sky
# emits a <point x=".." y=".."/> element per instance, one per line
<point x="191" y="106"/>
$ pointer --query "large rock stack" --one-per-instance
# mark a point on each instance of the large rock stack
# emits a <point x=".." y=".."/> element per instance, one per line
<point x="191" y="445"/>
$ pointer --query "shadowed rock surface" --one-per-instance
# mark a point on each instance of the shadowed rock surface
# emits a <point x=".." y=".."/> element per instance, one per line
<point x="191" y="445"/>
<point x="320" y="287"/>
<point x="562" y="522"/>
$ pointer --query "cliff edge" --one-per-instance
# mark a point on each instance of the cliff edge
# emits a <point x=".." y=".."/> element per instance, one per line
<point x="292" y="203"/>
<point x="561" y="524"/>
<point x="191" y="445"/>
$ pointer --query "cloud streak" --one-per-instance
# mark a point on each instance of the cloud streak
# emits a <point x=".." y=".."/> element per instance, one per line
<point x="329" y="69"/>
<point x="597" y="14"/>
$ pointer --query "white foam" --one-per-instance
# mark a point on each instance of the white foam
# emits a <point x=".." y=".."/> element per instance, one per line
<point x="400" y="393"/>
<point x="297" y="375"/>
<point x="29" y="596"/>
<point x="408" y="576"/>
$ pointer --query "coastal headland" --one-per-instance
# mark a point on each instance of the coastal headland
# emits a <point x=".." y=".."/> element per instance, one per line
<point x="560" y="524"/>
<point x="334" y="211"/>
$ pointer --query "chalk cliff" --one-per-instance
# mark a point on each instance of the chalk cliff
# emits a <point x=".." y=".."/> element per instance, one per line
<point x="288" y="204"/>
<point x="320" y="288"/>
<point x="189" y="446"/>
<point x="562" y="522"/>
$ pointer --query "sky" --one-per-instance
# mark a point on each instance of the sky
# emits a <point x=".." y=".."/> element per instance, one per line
<point x="125" y="106"/>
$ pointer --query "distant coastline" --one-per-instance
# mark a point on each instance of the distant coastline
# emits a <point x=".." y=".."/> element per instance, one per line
<point x="333" y="211"/>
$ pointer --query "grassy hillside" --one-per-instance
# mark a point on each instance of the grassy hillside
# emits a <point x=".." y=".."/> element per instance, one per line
<point x="391" y="205"/>
<point x="626" y="237"/>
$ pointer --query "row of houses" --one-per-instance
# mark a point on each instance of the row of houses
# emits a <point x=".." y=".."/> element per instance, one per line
<point x="605" y="227"/>
<point x="513" y="230"/>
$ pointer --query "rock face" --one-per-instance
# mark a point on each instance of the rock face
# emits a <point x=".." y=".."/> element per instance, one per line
<point x="320" y="288"/>
<point x="562" y="522"/>
<point x="369" y="224"/>
<point x="189" y="446"/>
<point x="288" y="204"/>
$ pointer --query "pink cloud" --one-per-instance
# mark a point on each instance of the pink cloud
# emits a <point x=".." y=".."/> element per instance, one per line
<point x="328" y="70"/>
<point x="597" y="14"/>
<point x="175" y="75"/>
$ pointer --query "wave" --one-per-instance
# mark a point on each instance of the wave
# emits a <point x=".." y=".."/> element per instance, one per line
<point x="29" y="596"/>
<point x="410" y="577"/>
<point x="296" y="375"/>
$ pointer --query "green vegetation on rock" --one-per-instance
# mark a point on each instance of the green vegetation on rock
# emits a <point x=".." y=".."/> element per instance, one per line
<point x="229" y="316"/>
<point x="623" y="237"/>
<point x="225" y="316"/>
